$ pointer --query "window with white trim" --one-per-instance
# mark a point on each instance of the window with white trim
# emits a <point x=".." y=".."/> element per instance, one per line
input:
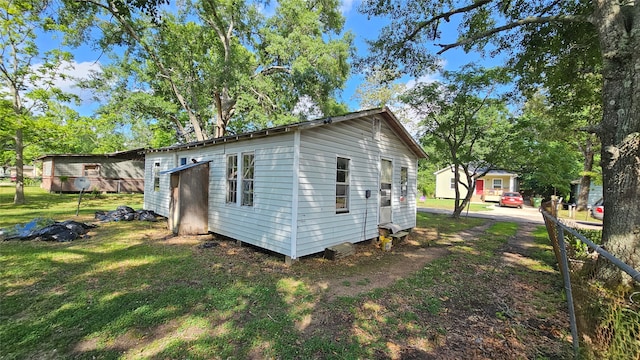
<point x="183" y="161"/>
<point x="497" y="183"/>
<point x="156" y="176"/>
<point x="248" y="167"/>
<point x="404" y="184"/>
<point x="342" y="185"/>
<point x="452" y="183"/>
<point x="232" y="178"/>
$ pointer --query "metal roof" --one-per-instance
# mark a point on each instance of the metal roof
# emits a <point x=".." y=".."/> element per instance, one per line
<point x="385" y="113"/>
<point x="135" y="153"/>
<point x="184" y="167"/>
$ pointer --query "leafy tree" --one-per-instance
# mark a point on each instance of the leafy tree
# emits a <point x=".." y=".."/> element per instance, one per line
<point x="565" y="62"/>
<point x="27" y="75"/>
<point x="70" y="133"/>
<point x="376" y="91"/>
<point x="549" y="147"/>
<point x="465" y="123"/>
<point x="221" y="65"/>
<point x="612" y="26"/>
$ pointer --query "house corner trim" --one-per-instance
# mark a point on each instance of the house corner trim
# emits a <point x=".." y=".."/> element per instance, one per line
<point x="294" y="197"/>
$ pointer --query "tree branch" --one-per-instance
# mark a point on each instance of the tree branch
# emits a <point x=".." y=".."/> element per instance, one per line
<point x="272" y="70"/>
<point x="512" y="25"/>
<point x="164" y="72"/>
<point x="444" y="16"/>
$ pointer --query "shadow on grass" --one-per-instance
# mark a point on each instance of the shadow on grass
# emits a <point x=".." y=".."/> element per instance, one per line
<point x="123" y="293"/>
<point x="126" y="293"/>
<point x="40" y="203"/>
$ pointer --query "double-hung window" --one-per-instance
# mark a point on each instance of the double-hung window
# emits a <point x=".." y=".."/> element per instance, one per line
<point x="404" y="184"/>
<point x="156" y="176"/>
<point x="342" y="185"/>
<point x="497" y="183"/>
<point x="248" y="167"/>
<point x="232" y="178"/>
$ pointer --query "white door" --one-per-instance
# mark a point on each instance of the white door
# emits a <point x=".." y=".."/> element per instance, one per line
<point x="386" y="180"/>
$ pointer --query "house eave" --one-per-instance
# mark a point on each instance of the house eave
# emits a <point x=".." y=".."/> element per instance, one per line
<point x="393" y="122"/>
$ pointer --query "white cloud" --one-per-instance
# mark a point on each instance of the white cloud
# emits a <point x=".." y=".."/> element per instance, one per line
<point x="424" y="79"/>
<point x="67" y="76"/>
<point x="347" y="5"/>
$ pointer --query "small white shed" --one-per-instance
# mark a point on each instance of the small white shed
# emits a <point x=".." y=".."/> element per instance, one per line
<point x="295" y="189"/>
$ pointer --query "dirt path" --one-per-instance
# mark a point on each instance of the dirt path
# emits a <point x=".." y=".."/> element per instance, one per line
<point x="505" y="308"/>
<point x="403" y="265"/>
<point x="405" y="259"/>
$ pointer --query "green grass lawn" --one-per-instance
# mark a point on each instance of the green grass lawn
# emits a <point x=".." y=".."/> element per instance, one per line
<point x="131" y="291"/>
<point x="40" y="203"/>
<point x="448" y="204"/>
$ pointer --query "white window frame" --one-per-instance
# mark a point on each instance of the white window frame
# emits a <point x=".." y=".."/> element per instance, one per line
<point x="156" y="176"/>
<point x="231" y="177"/>
<point x="248" y="179"/>
<point x="404" y="184"/>
<point x="343" y="185"/>
<point x="452" y="183"/>
<point x="496" y="181"/>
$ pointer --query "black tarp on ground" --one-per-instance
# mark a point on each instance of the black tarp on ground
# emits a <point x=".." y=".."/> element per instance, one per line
<point x="126" y="213"/>
<point x="48" y="230"/>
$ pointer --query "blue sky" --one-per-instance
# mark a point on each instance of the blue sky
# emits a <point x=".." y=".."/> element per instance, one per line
<point x="87" y="59"/>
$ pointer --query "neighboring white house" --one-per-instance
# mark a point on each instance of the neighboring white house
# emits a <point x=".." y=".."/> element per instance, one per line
<point x="488" y="187"/>
<point x="295" y="189"/>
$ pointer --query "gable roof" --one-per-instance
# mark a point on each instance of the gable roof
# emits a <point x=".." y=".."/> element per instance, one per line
<point x="383" y="113"/>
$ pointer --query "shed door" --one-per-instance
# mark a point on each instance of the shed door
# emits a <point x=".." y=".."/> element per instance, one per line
<point x="190" y="201"/>
<point x="386" y="180"/>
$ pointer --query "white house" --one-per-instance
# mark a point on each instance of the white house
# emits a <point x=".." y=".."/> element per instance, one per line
<point x="488" y="187"/>
<point x="295" y="189"/>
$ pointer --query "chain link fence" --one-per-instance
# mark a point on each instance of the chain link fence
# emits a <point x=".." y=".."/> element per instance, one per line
<point x="609" y="322"/>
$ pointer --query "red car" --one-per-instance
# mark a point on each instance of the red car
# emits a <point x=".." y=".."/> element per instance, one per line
<point x="597" y="210"/>
<point x="511" y="199"/>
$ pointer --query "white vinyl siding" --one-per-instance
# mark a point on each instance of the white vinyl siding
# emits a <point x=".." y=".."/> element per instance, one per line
<point x="319" y="226"/>
<point x="157" y="200"/>
<point x="267" y="223"/>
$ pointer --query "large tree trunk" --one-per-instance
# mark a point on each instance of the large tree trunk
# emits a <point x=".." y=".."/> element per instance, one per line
<point x="619" y="33"/>
<point x="585" y="180"/>
<point x="18" y="199"/>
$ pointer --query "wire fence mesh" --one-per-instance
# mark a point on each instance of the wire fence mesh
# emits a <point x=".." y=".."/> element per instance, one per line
<point x="609" y="321"/>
